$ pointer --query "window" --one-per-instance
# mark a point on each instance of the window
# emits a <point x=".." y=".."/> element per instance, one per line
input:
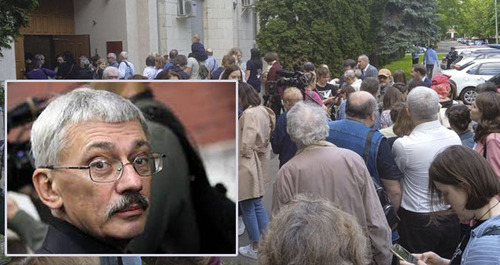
<point x="489" y="68"/>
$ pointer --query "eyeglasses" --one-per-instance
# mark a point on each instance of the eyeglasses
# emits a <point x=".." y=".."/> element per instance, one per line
<point x="103" y="170"/>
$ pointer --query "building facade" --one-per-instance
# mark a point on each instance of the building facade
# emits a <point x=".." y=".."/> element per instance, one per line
<point x="140" y="27"/>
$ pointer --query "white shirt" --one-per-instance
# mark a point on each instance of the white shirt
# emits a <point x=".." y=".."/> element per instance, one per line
<point x="122" y="68"/>
<point x="149" y="72"/>
<point x="357" y="84"/>
<point x="413" y="155"/>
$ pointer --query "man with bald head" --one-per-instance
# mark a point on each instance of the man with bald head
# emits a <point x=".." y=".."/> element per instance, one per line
<point x="365" y="66"/>
<point x="211" y="63"/>
<point x="355" y="132"/>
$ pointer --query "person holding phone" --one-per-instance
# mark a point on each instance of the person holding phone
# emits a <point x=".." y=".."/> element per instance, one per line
<point x="465" y="180"/>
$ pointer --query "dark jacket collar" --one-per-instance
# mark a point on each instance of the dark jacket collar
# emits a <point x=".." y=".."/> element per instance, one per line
<point x="64" y="238"/>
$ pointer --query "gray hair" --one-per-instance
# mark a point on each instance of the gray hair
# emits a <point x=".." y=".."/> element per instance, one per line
<point x="107" y="71"/>
<point x="364" y="58"/>
<point x="423" y="103"/>
<point x="112" y="55"/>
<point x="313" y="231"/>
<point x="350" y="74"/>
<point x="124" y="55"/>
<point x="307" y="123"/>
<point x="48" y="134"/>
<point x="85" y="61"/>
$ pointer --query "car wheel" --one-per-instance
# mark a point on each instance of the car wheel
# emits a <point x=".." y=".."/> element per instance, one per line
<point x="468" y="95"/>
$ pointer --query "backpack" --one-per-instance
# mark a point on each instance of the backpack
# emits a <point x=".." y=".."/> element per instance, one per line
<point x="203" y="71"/>
<point x="390" y="212"/>
<point x="128" y="71"/>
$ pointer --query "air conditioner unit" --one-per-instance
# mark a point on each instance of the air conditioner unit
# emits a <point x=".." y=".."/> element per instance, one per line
<point x="186" y="8"/>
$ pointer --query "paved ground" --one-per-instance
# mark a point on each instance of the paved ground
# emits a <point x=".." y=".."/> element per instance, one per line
<point x="444" y="46"/>
<point x="267" y="200"/>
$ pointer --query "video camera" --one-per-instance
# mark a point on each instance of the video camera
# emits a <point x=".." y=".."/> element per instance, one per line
<point x="292" y="79"/>
<point x="19" y="162"/>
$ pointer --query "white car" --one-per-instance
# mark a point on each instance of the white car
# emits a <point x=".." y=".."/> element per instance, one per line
<point x="468" y="77"/>
<point x="493" y="54"/>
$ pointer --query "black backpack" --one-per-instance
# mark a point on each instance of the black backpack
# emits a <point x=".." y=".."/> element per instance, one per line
<point x="389" y="210"/>
<point x="203" y="71"/>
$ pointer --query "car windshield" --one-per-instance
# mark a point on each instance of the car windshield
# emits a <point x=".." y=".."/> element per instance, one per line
<point x="465" y="66"/>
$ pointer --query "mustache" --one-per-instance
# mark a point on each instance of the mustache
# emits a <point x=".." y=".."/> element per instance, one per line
<point x="125" y="201"/>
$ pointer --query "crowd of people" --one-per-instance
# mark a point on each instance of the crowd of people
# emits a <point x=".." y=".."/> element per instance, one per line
<point x="200" y="64"/>
<point x="341" y="142"/>
<point x="366" y="132"/>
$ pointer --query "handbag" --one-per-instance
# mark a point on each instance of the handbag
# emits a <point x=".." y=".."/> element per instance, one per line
<point x="390" y="212"/>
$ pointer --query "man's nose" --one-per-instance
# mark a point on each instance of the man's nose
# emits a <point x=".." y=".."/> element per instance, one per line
<point x="130" y="179"/>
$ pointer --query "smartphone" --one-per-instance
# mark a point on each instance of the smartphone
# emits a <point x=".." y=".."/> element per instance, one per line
<point x="403" y="254"/>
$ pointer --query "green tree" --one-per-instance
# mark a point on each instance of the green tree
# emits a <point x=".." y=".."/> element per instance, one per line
<point x="406" y="22"/>
<point x="14" y="14"/>
<point x="450" y="16"/>
<point x="322" y="31"/>
<point x="478" y="18"/>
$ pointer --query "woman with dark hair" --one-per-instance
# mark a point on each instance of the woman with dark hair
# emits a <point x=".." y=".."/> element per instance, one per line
<point x="68" y="69"/>
<point x="254" y="69"/>
<point x="392" y="95"/>
<point x="399" y="77"/>
<point x="460" y="177"/>
<point x="256" y="126"/>
<point x="149" y="70"/>
<point x="486" y="112"/>
<point x="38" y="71"/>
<point x="233" y="72"/>
<point x="459" y="118"/>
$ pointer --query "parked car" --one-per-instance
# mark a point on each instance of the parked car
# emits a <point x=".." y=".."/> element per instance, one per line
<point x="478" y="42"/>
<point x="475" y="55"/>
<point x="463" y="51"/>
<point x="461" y="40"/>
<point x="470" y="42"/>
<point x="470" y="75"/>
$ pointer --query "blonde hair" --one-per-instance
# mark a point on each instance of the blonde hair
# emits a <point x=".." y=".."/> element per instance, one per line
<point x="291" y="96"/>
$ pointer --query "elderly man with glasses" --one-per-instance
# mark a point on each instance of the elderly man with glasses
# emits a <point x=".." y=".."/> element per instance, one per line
<point x="93" y="170"/>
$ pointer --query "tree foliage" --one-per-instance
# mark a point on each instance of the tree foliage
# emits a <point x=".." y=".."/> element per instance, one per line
<point x="322" y="31"/>
<point x="478" y="18"/>
<point x="330" y="31"/>
<point x="469" y="18"/>
<point x="14" y="14"/>
<point x="405" y="23"/>
<point x="450" y="16"/>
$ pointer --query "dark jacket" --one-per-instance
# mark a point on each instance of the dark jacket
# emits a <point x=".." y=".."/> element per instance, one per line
<point x="181" y="72"/>
<point x="64" y="238"/>
<point x="214" y="222"/>
<point x="198" y="51"/>
<point x="281" y="142"/>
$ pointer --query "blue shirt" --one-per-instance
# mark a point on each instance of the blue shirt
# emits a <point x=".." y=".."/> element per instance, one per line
<point x="483" y="248"/>
<point x="430" y="56"/>
<point x="341" y="110"/>
<point x="467" y="139"/>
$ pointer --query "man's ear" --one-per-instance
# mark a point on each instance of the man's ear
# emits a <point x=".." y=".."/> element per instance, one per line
<point x="47" y="189"/>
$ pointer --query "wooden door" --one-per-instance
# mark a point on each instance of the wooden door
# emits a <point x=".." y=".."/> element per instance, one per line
<point x="114" y="46"/>
<point x="20" y="63"/>
<point x="78" y="45"/>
